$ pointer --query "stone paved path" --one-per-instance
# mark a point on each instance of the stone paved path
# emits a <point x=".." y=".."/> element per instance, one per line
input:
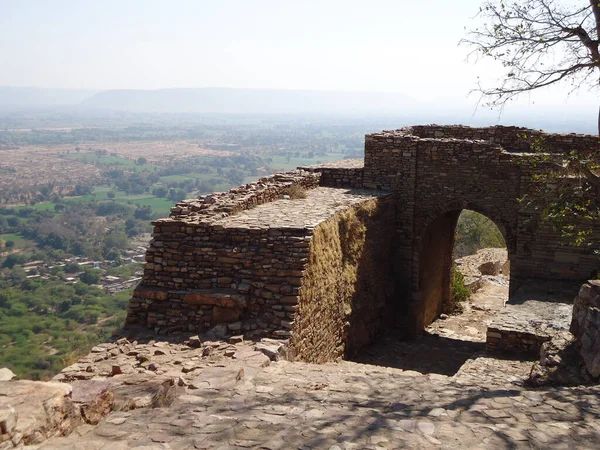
<point x="244" y="401"/>
<point x="319" y="205"/>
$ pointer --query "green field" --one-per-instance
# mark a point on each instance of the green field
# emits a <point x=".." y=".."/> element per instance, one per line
<point x="190" y="176"/>
<point x="44" y="206"/>
<point x="11" y="237"/>
<point x="19" y="241"/>
<point x="160" y="206"/>
<point x="281" y="164"/>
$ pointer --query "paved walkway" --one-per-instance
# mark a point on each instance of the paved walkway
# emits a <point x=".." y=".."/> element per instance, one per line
<point x="233" y="397"/>
<point x="319" y="205"/>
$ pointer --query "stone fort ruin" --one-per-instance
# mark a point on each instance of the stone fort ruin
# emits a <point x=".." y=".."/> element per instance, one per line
<point x="331" y="257"/>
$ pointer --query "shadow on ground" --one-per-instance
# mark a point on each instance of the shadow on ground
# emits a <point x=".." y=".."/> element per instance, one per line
<point x="429" y="353"/>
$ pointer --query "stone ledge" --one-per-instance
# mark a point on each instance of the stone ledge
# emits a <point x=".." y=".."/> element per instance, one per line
<point x="526" y="326"/>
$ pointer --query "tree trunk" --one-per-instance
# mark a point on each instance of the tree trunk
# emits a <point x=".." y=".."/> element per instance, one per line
<point x="599" y="121"/>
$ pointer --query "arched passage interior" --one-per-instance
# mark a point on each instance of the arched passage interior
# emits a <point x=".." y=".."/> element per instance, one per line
<point x="436" y="258"/>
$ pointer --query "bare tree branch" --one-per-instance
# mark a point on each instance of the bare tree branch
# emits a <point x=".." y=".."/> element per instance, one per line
<point x="539" y="43"/>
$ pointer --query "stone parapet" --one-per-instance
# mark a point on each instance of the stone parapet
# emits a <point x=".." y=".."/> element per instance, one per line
<point x="222" y="204"/>
<point x="344" y="173"/>
<point x="525" y="325"/>
<point x="511" y="138"/>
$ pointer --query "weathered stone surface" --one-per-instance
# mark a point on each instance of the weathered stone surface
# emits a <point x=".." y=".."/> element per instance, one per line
<point x="94" y="398"/>
<point x="232" y="403"/>
<point x="41" y="410"/>
<point x="586" y="325"/>
<point x="534" y="315"/>
<point x="560" y="364"/>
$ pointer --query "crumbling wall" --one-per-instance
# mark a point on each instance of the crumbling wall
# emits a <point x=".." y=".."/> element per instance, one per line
<point x="347" y="285"/>
<point x="513" y="139"/>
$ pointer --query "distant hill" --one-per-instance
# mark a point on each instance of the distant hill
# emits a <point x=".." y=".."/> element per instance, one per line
<point x="30" y="97"/>
<point x="236" y="101"/>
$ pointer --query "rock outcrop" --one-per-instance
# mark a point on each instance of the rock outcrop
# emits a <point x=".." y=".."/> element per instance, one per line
<point x="560" y="364"/>
<point x="33" y="411"/>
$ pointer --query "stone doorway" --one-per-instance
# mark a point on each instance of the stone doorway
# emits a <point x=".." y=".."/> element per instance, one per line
<point x="436" y="255"/>
<point x="452" y="334"/>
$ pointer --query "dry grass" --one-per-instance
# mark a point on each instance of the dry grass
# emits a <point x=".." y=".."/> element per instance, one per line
<point x="295" y="192"/>
<point x="339" y="252"/>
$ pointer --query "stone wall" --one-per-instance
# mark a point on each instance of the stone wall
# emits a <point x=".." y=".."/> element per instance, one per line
<point x="512" y="139"/>
<point x="440" y="170"/>
<point x="344" y="173"/>
<point x="328" y="270"/>
<point x="348" y="285"/>
<point x="511" y="341"/>
<point x="199" y="273"/>
<point x="266" y="265"/>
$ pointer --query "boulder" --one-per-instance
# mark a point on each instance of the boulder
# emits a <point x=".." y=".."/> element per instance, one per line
<point x="6" y="374"/>
<point x="272" y="348"/>
<point x="560" y="364"/>
<point x="33" y="411"/>
<point x="585" y="325"/>
<point x="491" y="267"/>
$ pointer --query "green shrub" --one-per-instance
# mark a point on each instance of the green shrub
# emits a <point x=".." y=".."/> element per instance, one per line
<point x="460" y="293"/>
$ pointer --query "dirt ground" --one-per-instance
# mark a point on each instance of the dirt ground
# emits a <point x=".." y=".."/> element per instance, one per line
<point x="478" y="310"/>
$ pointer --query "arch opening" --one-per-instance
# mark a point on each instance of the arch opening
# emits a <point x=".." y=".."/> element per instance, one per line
<point x="464" y="236"/>
<point x="422" y="342"/>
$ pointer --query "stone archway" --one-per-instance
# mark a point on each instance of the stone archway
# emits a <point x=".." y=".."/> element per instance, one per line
<point x="434" y="267"/>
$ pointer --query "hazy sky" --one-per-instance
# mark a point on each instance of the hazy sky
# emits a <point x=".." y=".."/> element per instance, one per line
<point x="375" y="45"/>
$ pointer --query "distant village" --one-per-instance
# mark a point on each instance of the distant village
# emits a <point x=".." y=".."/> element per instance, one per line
<point x="109" y="283"/>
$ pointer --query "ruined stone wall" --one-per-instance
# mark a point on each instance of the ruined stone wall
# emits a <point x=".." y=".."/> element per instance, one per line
<point x="318" y="273"/>
<point x="199" y="274"/>
<point x="348" y="283"/>
<point x="510" y="138"/>
<point x="329" y="270"/>
<point x="345" y="173"/>
<point x="437" y="170"/>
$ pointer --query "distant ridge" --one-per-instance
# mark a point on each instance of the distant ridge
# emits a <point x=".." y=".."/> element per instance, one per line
<point x="31" y="97"/>
<point x="236" y="101"/>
